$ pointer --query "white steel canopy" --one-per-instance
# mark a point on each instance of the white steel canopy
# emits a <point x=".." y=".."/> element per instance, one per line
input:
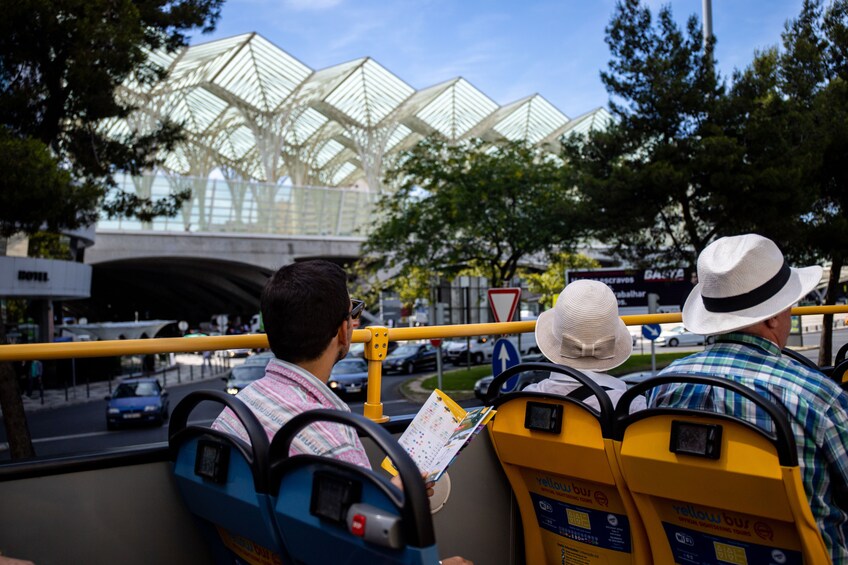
<point x="257" y="113"/>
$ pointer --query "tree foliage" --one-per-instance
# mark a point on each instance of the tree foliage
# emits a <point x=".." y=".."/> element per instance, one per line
<point x="61" y="64"/>
<point x="654" y="182"/>
<point x="472" y="206"/>
<point x="549" y="284"/>
<point x="814" y="71"/>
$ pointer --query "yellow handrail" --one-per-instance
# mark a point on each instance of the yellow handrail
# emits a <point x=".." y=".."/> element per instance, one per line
<point x="373" y="335"/>
<point x="65" y="350"/>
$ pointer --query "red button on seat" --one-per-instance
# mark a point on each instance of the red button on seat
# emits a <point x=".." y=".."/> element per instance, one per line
<point x="357" y="526"/>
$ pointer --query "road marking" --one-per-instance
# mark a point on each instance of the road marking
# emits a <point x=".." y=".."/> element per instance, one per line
<point x="399" y="401"/>
<point x="5" y="446"/>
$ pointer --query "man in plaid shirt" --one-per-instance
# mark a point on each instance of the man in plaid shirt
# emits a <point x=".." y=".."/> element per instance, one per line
<point x="744" y="296"/>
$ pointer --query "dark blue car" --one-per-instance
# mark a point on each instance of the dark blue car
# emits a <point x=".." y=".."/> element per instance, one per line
<point x="349" y="376"/>
<point x="140" y="400"/>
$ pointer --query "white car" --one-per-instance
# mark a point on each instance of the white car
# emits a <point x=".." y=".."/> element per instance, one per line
<point x="679" y="335"/>
<point x="456" y="350"/>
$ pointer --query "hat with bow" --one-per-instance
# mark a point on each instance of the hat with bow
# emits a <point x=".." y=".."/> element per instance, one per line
<point x="583" y="330"/>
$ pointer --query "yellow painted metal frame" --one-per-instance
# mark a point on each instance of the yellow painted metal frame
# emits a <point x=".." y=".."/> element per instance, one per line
<point x="373" y="335"/>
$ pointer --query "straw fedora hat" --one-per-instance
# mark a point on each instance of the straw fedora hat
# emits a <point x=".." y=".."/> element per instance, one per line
<point x="583" y="329"/>
<point x="743" y="280"/>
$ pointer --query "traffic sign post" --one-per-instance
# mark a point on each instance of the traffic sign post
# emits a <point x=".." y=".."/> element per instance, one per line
<point x="437" y="343"/>
<point x="503" y="302"/>
<point x="504" y="356"/>
<point x="651" y="332"/>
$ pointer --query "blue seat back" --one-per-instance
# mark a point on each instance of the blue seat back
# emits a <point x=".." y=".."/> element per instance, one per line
<point x="224" y="482"/>
<point x="317" y="496"/>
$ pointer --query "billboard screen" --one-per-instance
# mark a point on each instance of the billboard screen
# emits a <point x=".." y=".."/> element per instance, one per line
<point x="632" y="286"/>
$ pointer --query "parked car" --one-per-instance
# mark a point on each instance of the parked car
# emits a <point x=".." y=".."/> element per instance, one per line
<point x="259" y="358"/>
<point x="481" y="387"/>
<point x="358" y="349"/>
<point x="410" y="358"/>
<point x="349" y="376"/>
<point x="679" y="335"/>
<point x="242" y="375"/>
<point x="234" y="353"/>
<point x="136" y="401"/>
<point x="457" y="350"/>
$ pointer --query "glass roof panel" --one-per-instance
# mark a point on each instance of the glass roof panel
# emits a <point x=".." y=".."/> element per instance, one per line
<point x="599" y="118"/>
<point x="532" y="120"/>
<point x="197" y="108"/>
<point x="369" y="94"/>
<point x="305" y="122"/>
<point x="322" y="82"/>
<point x="400" y="133"/>
<point x="201" y="62"/>
<point x="327" y="153"/>
<point x="343" y="173"/>
<point x="261" y="74"/>
<point x="457" y="110"/>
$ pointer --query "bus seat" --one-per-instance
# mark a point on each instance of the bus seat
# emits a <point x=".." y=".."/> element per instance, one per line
<point x="712" y="488"/>
<point x="841" y="354"/>
<point x="840" y="373"/>
<point x="337" y="512"/>
<point x="224" y="482"/>
<point x="558" y="455"/>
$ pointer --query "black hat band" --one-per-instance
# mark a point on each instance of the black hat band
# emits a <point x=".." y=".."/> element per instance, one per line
<point x="752" y="297"/>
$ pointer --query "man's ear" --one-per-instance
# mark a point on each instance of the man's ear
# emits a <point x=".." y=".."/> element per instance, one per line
<point x="771" y="322"/>
<point x="343" y="335"/>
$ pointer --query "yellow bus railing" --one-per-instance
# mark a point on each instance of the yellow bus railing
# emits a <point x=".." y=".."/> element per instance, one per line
<point x="376" y="339"/>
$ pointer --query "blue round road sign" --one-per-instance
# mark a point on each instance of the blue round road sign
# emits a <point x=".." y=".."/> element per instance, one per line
<point x="504" y="356"/>
<point x="651" y="331"/>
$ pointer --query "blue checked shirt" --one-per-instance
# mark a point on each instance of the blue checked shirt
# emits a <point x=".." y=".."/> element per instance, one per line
<point x="816" y="406"/>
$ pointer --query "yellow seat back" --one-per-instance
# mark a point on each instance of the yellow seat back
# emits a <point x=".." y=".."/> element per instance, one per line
<point x="712" y="488"/>
<point x="561" y="467"/>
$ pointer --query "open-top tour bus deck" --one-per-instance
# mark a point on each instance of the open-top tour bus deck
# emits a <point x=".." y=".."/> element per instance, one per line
<point x="552" y="482"/>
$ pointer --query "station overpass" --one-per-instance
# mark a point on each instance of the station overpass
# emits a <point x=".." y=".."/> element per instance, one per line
<point x="182" y="275"/>
<point x="215" y="256"/>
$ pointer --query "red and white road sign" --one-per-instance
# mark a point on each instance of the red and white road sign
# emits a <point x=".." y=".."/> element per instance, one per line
<point x="503" y="302"/>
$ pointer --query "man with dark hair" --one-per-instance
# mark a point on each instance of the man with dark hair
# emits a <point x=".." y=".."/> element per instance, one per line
<point x="309" y="319"/>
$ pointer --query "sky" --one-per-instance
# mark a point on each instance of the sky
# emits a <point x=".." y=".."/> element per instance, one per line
<point x="508" y="49"/>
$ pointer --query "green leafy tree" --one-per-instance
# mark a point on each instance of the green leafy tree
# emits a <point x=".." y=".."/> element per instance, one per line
<point x="549" y="284"/>
<point x="789" y="113"/>
<point x="655" y="180"/>
<point x="814" y="73"/>
<point x="472" y="206"/>
<point x="61" y="64"/>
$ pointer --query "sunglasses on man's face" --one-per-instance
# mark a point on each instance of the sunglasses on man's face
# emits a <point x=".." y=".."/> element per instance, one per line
<point x="356" y="308"/>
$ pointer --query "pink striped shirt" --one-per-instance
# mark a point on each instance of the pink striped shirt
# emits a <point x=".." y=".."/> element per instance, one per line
<point x="285" y="391"/>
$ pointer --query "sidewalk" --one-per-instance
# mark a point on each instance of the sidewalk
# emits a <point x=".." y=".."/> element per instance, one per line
<point x="187" y="370"/>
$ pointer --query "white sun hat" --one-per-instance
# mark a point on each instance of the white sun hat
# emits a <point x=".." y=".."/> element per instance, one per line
<point x="583" y="329"/>
<point x="743" y="280"/>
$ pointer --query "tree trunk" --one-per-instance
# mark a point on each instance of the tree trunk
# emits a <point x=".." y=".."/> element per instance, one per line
<point x="14" y="417"/>
<point x="826" y="344"/>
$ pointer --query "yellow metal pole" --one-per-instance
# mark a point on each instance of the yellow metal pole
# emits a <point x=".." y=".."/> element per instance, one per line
<point x="376" y="350"/>
<point x="66" y="350"/>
